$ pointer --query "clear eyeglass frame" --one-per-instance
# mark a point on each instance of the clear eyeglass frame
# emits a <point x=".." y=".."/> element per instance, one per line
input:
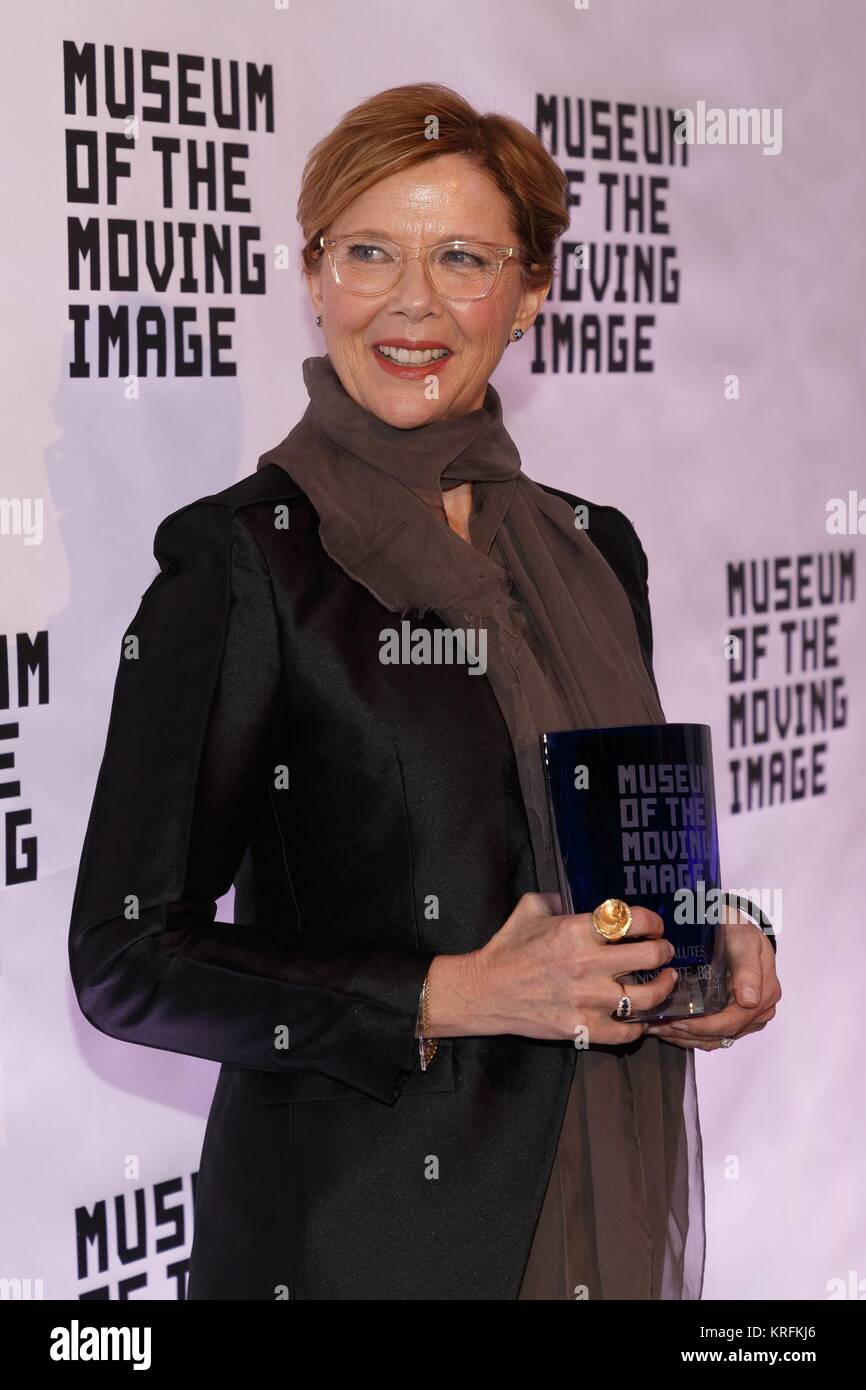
<point x="503" y="254"/>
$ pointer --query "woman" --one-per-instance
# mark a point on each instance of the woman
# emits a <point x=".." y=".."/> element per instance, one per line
<point x="402" y="1111"/>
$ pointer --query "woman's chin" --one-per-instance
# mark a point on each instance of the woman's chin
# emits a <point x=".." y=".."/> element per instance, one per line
<point x="404" y="404"/>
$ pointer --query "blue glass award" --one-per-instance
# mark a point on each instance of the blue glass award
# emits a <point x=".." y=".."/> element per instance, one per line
<point x="633" y="813"/>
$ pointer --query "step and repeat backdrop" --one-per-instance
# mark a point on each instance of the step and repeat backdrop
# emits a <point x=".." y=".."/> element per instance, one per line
<point x="699" y="364"/>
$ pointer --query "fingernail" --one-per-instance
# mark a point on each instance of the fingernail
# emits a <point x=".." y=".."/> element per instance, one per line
<point x="750" y="994"/>
<point x="680" y="1027"/>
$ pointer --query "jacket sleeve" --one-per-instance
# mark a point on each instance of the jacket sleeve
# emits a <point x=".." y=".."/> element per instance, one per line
<point x="638" y="592"/>
<point x="188" y="752"/>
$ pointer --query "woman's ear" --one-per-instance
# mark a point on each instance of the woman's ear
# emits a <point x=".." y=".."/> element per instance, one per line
<point x="314" y="286"/>
<point x="531" y="301"/>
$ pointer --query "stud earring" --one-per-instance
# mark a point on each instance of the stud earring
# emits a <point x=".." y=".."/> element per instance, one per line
<point x="318" y="320"/>
<point x="518" y="333"/>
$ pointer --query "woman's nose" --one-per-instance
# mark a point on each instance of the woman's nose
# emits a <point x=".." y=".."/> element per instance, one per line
<point x="413" y="289"/>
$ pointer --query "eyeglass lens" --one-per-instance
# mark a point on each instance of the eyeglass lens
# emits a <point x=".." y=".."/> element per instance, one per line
<point x="462" y="270"/>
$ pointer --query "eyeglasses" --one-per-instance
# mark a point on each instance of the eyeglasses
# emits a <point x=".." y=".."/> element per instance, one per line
<point x="456" y="269"/>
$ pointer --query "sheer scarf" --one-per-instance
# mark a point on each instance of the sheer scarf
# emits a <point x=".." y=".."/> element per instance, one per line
<point x="562" y="652"/>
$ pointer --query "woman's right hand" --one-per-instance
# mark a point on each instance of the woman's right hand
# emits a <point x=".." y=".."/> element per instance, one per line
<point x="544" y="975"/>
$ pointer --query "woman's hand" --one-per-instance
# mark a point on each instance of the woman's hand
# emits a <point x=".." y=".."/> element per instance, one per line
<point x="753" y="991"/>
<point x="547" y="976"/>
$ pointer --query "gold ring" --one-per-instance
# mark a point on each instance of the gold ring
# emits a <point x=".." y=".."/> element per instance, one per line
<point x="612" y="919"/>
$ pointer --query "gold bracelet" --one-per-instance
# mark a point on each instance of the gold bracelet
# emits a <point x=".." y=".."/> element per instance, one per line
<point x="426" y="1046"/>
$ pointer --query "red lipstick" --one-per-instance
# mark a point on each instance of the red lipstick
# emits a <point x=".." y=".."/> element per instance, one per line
<point x="409" y="371"/>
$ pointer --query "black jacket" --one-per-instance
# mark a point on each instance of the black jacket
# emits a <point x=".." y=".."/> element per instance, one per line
<point x="370" y="817"/>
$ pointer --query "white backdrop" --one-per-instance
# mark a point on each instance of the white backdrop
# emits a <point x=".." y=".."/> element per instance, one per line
<point x="725" y="452"/>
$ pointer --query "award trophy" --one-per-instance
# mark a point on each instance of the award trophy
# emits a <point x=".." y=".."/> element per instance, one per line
<point x="633" y="815"/>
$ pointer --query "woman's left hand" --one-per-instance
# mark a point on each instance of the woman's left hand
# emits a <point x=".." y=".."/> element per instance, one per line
<point x="753" y="992"/>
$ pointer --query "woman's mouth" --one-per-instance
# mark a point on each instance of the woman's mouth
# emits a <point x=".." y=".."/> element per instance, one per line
<point x="411" y="362"/>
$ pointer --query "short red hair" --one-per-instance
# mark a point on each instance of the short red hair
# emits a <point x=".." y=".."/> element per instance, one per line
<point x="387" y="133"/>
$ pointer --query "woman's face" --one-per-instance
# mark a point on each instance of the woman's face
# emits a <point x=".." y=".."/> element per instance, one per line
<point x="446" y="198"/>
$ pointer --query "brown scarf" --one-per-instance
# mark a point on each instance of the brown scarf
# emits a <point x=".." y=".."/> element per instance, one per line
<point x="562" y="652"/>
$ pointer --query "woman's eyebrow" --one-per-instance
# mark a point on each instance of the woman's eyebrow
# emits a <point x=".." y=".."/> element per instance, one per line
<point x="387" y="236"/>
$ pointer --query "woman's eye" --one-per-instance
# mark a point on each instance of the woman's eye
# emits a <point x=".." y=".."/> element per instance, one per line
<point x="458" y="258"/>
<point x="367" y="252"/>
